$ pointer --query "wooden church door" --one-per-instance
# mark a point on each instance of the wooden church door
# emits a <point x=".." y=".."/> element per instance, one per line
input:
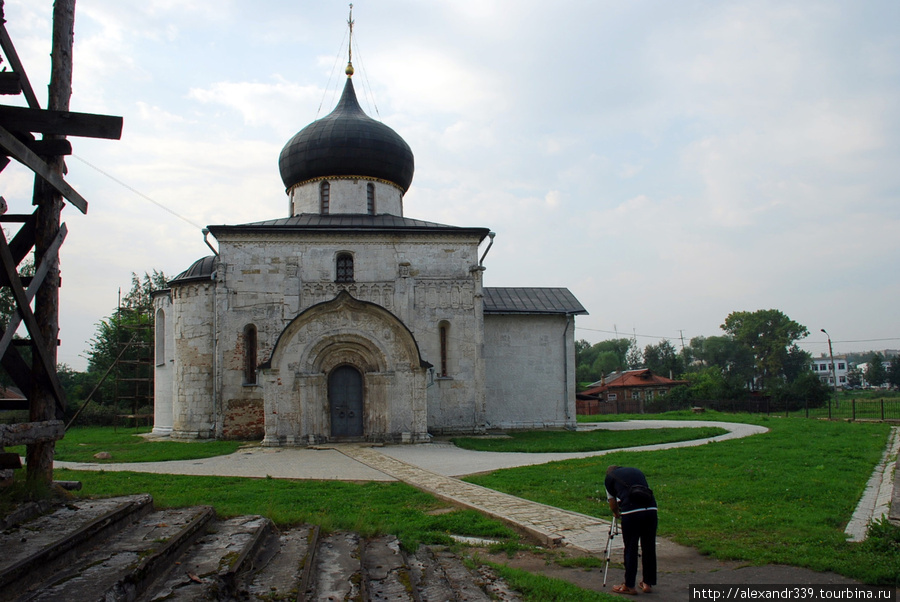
<point x="345" y="394"/>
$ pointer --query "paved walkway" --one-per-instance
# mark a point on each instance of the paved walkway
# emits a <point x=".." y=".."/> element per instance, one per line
<point x="433" y="467"/>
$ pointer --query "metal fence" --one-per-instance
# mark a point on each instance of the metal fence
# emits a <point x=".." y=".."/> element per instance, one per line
<point x="844" y="409"/>
<point x="852" y="409"/>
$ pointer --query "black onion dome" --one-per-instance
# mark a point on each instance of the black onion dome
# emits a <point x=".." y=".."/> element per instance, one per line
<point x="347" y="142"/>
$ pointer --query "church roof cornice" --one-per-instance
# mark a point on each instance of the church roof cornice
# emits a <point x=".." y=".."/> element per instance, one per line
<point x="347" y="223"/>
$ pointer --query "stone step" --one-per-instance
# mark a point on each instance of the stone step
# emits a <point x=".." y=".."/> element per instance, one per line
<point x="121" y="566"/>
<point x="439" y="575"/>
<point x="207" y="570"/>
<point x="337" y="571"/>
<point x="186" y="554"/>
<point x="385" y="570"/>
<point x="36" y="547"/>
<point x="281" y="566"/>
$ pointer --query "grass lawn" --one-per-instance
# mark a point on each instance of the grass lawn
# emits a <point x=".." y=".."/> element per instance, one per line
<point x="582" y="441"/>
<point x="127" y="445"/>
<point x="781" y="497"/>
<point x="370" y="508"/>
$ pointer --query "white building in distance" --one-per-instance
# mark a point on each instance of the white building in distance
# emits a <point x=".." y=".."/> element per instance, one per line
<point x="822" y="366"/>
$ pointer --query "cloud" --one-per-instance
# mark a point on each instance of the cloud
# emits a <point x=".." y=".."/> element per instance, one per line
<point x="261" y="104"/>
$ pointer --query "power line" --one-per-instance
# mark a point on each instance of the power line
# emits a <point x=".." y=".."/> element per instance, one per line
<point x="616" y="333"/>
<point x="651" y="336"/>
<point x="137" y="192"/>
<point x="848" y="341"/>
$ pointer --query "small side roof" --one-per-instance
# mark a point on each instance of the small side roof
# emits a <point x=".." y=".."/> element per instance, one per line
<point x="202" y="269"/>
<point x="503" y="300"/>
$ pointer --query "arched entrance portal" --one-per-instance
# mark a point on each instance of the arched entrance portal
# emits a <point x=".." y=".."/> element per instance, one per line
<point x="345" y="397"/>
<point x="345" y="369"/>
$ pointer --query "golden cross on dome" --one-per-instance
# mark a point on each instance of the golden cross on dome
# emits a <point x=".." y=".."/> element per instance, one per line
<point x="349" y="69"/>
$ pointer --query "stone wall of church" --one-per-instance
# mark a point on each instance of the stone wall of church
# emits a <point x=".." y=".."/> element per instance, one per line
<point x="423" y="281"/>
<point x="456" y="400"/>
<point x="530" y="371"/>
<point x="164" y="362"/>
<point x="194" y="401"/>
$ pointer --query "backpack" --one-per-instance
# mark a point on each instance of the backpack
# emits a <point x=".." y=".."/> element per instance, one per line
<point x="639" y="495"/>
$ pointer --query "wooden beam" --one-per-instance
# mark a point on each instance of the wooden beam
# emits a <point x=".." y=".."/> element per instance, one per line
<point x="13" y="404"/>
<point x="23" y="241"/>
<point x="12" y="56"/>
<point x="63" y="123"/>
<point x="40" y="349"/>
<point x="18" y="370"/>
<point x="51" y="257"/>
<point x="10" y="461"/>
<point x="55" y="147"/>
<point x="10" y="85"/>
<point x="26" y="433"/>
<point x="26" y="157"/>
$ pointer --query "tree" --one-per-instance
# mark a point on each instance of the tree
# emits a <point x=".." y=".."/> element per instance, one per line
<point x="589" y="365"/>
<point x="132" y="324"/>
<point x="768" y="334"/>
<point x="796" y="363"/>
<point x="735" y="360"/>
<point x="876" y="374"/>
<point x="663" y="359"/>
<point x="606" y="362"/>
<point x="893" y="372"/>
<point x="634" y="358"/>
<point x="7" y="301"/>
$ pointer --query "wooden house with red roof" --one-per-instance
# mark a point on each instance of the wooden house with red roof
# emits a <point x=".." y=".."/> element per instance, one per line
<point x="624" y="392"/>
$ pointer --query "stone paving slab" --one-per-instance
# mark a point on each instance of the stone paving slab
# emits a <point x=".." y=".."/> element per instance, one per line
<point x="551" y="526"/>
<point x="875" y="502"/>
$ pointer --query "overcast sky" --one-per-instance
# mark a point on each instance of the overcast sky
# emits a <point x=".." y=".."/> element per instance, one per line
<point x="668" y="162"/>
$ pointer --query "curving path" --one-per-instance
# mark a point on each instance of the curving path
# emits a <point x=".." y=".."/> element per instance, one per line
<point x="447" y="459"/>
<point x="326" y="463"/>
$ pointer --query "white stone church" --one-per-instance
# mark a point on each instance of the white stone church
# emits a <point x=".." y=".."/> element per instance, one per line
<point x="347" y="321"/>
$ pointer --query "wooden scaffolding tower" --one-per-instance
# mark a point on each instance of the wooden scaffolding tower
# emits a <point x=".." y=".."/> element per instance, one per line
<point x="42" y="234"/>
<point x="134" y="366"/>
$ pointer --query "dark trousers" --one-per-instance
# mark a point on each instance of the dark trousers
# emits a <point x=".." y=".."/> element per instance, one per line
<point x="640" y="527"/>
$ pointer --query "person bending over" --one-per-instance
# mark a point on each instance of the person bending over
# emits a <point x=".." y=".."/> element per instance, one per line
<point x="632" y="502"/>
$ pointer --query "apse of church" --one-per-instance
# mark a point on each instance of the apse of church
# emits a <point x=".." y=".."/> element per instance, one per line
<point x="347" y="321"/>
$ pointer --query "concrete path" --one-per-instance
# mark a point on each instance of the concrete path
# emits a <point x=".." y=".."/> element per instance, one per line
<point x="326" y="463"/>
<point x="875" y="503"/>
<point x="447" y="459"/>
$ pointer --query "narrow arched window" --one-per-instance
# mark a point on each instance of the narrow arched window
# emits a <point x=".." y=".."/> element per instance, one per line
<point x="250" y="345"/>
<point x="160" y="337"/>
<point x="444" y="333"/>
<point x="370" y="199"/>
<point x="344" y="268"/>
<point x="324" y="197"/>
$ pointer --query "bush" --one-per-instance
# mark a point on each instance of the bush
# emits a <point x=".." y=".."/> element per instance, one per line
<point x="806" y="391"/>
<point x="95" y="414"/>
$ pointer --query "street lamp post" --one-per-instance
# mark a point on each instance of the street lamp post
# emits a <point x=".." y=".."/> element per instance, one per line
<point x="833" y="371"/>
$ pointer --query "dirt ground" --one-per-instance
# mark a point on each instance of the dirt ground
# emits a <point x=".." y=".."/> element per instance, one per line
<point x="679" y="568"/>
